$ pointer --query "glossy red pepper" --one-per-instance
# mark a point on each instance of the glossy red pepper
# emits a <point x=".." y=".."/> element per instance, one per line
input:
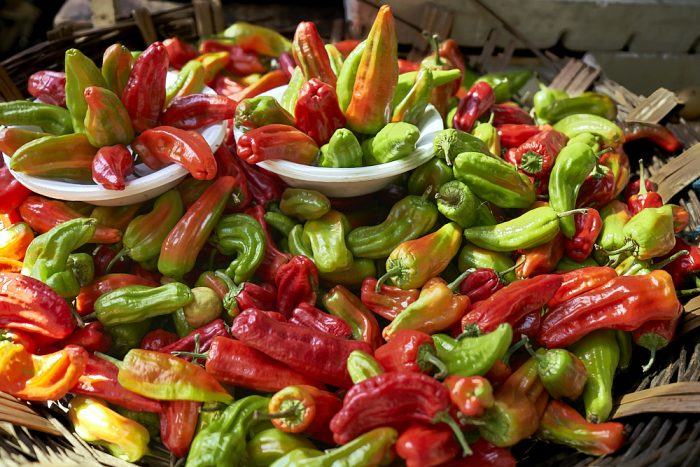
<point x="48" y="86"/>
<point x="340" y="301"/>
<point x="606" y="183"/>
<point x="655" y="335"/>
<point x="449" y="50"/>
<point x="308" y="351"/>
<point x="178" y="424"/>
<point x="634" y="184"/>
<point x="317" y="112"/>
<point x="12" y="192"/>
<point x="509" y="113"/>
<point x="273" y="259"/>
<point x="111" y="165"/>
<point x="311" y="411"/>
<point x="409" y="350"/>
<point x="91" y="337"/>
<point x="684" y="266"/>
<point x="225" y="86"/>
<point x="311" y="317"/>
<point x="243" y="62"/>
<point x="471" y="394"/>
<point x="529" y="325"/>
<point x="161" y="146"/>
<point x="541" y="259"/>
<point x="237" y="298"/>
<point x="157" y="339"/>
<point x="85" y="301"/>
<point x="579" y="281"/>
<point x="482" y="283"/>
<point x="197" y="110"/>
<point x="643" y="198"/>
<point x="144" y="94"/>
<point x="179" y="52"/>
<point x="484" y="454"/>
<point x="103" y="255"/>
<point x="513" y="135"/>
<point x="657" y="134"/>
<point x="264" y="186"/>
<point x="427" y="446"/>
<point x="588" y="226"/>
<point x="201" y="339"/>
<point x="310" y="54"/>
<point x="229" y="165"/>
<point x="389" y="302"/>
<point x="297" y="282"/>
<point x="275" y="142"/>
<point x="474" y="105"/>
<point x="405" y="66"/>
<point x="536" y="156"/>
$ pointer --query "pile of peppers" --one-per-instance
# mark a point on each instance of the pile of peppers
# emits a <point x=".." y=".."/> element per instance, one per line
<point x="489" y="297"/>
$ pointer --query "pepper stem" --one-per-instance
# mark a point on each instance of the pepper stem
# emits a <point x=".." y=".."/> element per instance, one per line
<point x="650" y="363"/>
<point x="455" y="283"/>
<point x="602" y="152"/>
<point x="393" y="272"/>
<point x="642" y="179"/>
<point x="433" y="39"/>
<point x="433" y="359"/>
<point x="626" y="247"/>
<point x="112" y="360"/>
<point x="501" y="275"/>
<point x="426" y="193"/>
<point x="572" y="211"/>
<point x="514" y="348"/>
<point x="78" y="318"/>
<point x="472" y="330"/>
<point x="446" y="149"/>
<point x="528" y="347"/>
<point x="258" y="415"/>
<point x="444" y="417"/>
<point x="122" y="253"/>
<point x="194" y="355"/>
<point x="670" y="259"/>
<point x="687" y="292"/>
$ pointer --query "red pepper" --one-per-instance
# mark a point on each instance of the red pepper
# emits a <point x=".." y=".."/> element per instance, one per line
<point x="91" y="337"/>
<point x="684" y="266"/>
<point x="178" y="424"/>
<point x="426" y="446"/>
<point x="643" y="199"/>
<point x="239" y="364"/>
<point x="339" y="301"/>
<point x="297" y="282"/>
<point x="632" y="187"/>
<point x="484" y="454"/>
<point x="287" y="64"/>
<point x="269" y="80"/>
<point x="657" y="134"/>
<point x="606" y="183"/>
<point x="157" y="339"/>
<point x="144" y="94"/>
<point x="588" y="226"/>
<point x="372" y="403"/>
<point x="274" y="142"/>
<point x="509" y="113"/>
<point x="471" y="394"/>
<point x="27" y="304"/>
<point x="579" y="281"/>
<point x="408" y="350"/>
<point x="529" y="325"/>
<point x="48" y="86"/>
<point x="274" y="259"/>
<point x="655" y="335"/>
<point x="311" y="317"/>
<point x="111" y="165"/>
<point x="482" y="283"/>
<point x="229" y="165"/>
<point x="12" y="192"/>
<point x="310" y="54"/>
<point x="541" y="259"/>
<point x="406" y="66"/>
<point x="346" y="46"/>
<point x="536" y="156"/>
<point x="317" y="112"/>
<point x="249" y="295"/>
<point x="449" y="50"/>
<point x="161" y="146"/>
<point x="312" y="410"/>
<point x="225" y="86"/>
<point x="513" y="135"/>
<point x="179" y="52"/>
<point x="43" y="214"/>
<point x="474" y="105"/>
<point x="511" y="303"/>
<point x="624" y="303"/>
<point x="389" y="302"/>
<point x="243" y="62"/>
<point x="198" y="110"/>
<point x="103" y="255"/>
<point x="264" y="186"/>
<point x="202" y="337"/>
<point x="308" y="351"/>
<point x="85" y="301"/>
<point x="25" y="339"/>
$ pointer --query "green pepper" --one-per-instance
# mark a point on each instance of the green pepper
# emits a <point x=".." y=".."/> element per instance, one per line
<point x="586" y="103"/>
<point x="362" y="365"/>
<point x="189" y="80"/>
<point x="561" y="372"/>
<point x="471" y="356"/>
<point x="494" y="180"/>
<point x="433" y="174"/>
<point x="505" y="85"/>
<point x="208" y="413"/>
<point x="297" y="244"/>
<point x="471" y="256"/>
<point x="574" y="125"/>
<point x="488" y="133"/>
<point x="264" y="41"/>
<point x="291" y="94"/>
<point x="343" y="150"/>
<point x="534" y="228"/>
<point x="259" y="111"/>
<point x="242" y="235"/>
<point x="106" y="120"/>
<point x="352" y="277"/>
<point x="335" y="57"/>
<point x="51" y="118"/>
<point x="138" y="302"/>
<point x="567" y="264"/>
<point x="346" y="77"/>
<point x="326" y="236"/>
<point x="649" y="233"/>
<point x="148" y="420"/>
<point x="126" y="336"/>
<point x="412" y="107"/>
<point x="394" y="141"/>
<point x="368" y="450"/>
<point x="407" y="80"/>
<point x="280" y="222"/>
<point x="81" y="72"/>
<point x="572" y="166"/>
<point x="205" y="307"/>
<point x="116" y="67"/>
<point x="614" y="216"/>
<point x="304" y="204"/>
<point x="182" y="326"/>
<point x="632" y="266"/>
<point x="600" y="354"/>
<point x="624" y="343"/>
<point x="223" y="441"/>
<point x="456" y="202"/>
<point x="82" y="266"/>
<point x="545" y="97"/>
<point x="65" y="157"/>
<point x="116" y="217"/>
<point x="269" y="445"/>
<point x="449" y="143"/>
<point x="409" y="218"/>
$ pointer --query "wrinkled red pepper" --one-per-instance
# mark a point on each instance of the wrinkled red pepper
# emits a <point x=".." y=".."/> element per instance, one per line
<point x="144" y="94"/>
<point x="536" y="156"/>
<point x="243" y="62"/>
<point x="588" y="226"/>
<point x="389" y="302"/>
<point x="12" y="192"/>
<point x="111" y="165"/>
<point x="297" y="282"/>
<point x="103" y="255"/>
<point x="203" y="336"/>
<point x="317" y="111"/>
<point x="426" y="445"/>
<point x="311" y="317"/>
<point x="482" y="283"/>
<point x="264" y="186"/>
<point x="178" y="424"/>
<point x="474" y="105"/>
<point x="91" y="337"/>
<point x="275" y="142"/>
<point x="225" y="86"/>
<point x="509" y="113"/>
<point x="48" y="86"/>
<point x="408" y="350"/>
<point x="179" y="52"/>
<point x="273" y="259"/>
<point x="198" y="110"/>
<point x="513" y="135"/>
<point x="579" y="281"/>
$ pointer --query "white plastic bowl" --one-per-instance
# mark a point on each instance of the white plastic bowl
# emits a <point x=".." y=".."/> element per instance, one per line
<point x="343" y="183"/>
<point x="148" y="185"/>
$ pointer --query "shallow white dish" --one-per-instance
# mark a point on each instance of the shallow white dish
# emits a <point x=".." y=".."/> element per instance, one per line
<point x="148" y="185"/>
<point x="343" y="183"/>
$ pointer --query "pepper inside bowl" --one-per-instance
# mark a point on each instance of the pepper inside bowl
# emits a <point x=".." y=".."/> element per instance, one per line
<point x="347" y="182"/>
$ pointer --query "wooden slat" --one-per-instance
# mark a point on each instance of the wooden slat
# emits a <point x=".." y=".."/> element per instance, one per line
<point x="678" y="173"/>
<point x="217" y="16"/>
<point x="654" y="108"/>
<point x="203" y="17"/>
<point x="104" y="13"/>
<point x="575" y="77"/>
<point x="144" y="21"/>
<point x="673" y="389"/>
<point x="685" y="404"/>
<point x="436" y="20"/>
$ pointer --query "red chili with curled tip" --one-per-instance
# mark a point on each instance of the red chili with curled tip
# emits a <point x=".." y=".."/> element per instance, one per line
<point x="111" y="165"/>
<point x="144" y="94"/>
<point x="317" y="111"/>
<point x="311" y="317"/>
<point x="297" y="282"/>
<point x="475" y="104"/>
<point x="588" y="225"/>
<point x="198" y="110"/>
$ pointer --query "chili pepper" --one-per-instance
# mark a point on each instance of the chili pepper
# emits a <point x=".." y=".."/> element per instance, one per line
<point x="561" y="372"/>
<point x="657" y="134"/>
<point x="587" y="227"/>
<point x="243" y="61"/>
<point x="90" y="337"/>
<point x="352" y="277"/>
<point x="542" y="259"/>
<point x="197" y="110"/>
<point x="311" y="317"/>
<point x="537" y="155"/>
<point x="506" y="84"/>
<point x="472" y="395"/>
<point x="275" y="141"/>
<point x="481" y="283"/>
<point x="471" y="256"/>
<point x="342" y="303"/>
<point x="189" y="80"/>
<point x="342" y="150"/>
<point x="580" y="281"/>
<point x="684" y="266"/>
<point x="389" y="301"/>
<point x="134" y="303"/>
<point x="412" y="107"/>
<point x="213" y="63"/>
<point x="600" y="354"/>
<point x="14" y="240"/>
<point x="106" y="121"/>
<point x="494" y="180"/>
<point x="306" y="350"/>
<point x="297" y="281"/>
<point x="269" y="445"/>
<point x="362" y="366"/>
<point x="184" y="242"/>
<point x="449" y="143"/>
<point x="179" y="52"/>
<point x="545" y="97"/>
<point x="111" y="165"/>
<point x="178" y="422"/>
<point x="591" y="103"/>
<point x="643" y="199"/>
<point x="116" y="217"/>
<point x="681" y="218"/>
<point x="310" y="54"/>
<point x="326" y="238"/>
<point x="473" y="355"/>
<point x="335" y="58"/>
<point x="289" y="98"/>
<point x="157" y="339"/>
<point x="85" y="300"/>
<point x="426" y="446"/>
<point x="615" y="216"/>
<point x="95" y="422"/>
<point x="48" y="86"/>
<point x="562" y="424"/>
<point x="25" y="339"/>
<point x="204" y="308"/>
<point x="376" y="77"/>
<point x="269" y="80"/>
<point x="81" y="73"/>
<point x="576" y="124"/>
<point x="317" y="112"/>
<point x="432" y="174"/>
<point x="200" y="339"/>
<point x="510" y="113"/>
<point x="566" y="264"/>
<point x="513" y="135"/>
<point x="237" y="298"/>
<point x="486" y="132"/>
<point x="144" y="94"/>
<point x="440" y="95"/>
<point x="655" y="335"/>
<point x="242" y="236"/>
<point x="649" y="233"/>
<point x="13" y="138"/>
<point x="485" y="453"/>
<point x="116" y="67"/>
<point x="40" y="377"/>
<point x="393" y="142"/>
<point x="67" y="157"/>
<point x="259" y="111"/>
<point x="52" y="119"/>
<point x="160" y="146"/>
<point x="423" y="400"/>
<point x="478" y="100"/>
<point x="304" y="204"/>
<point x="347" y="75"/>
<point x="606" y="183"/>
<point x="409" y="350"/>
<point x="457" y="203"/>
<point x="264" y="186"/>
<point x="273" y="259"/>
<point x="100" y="380"/>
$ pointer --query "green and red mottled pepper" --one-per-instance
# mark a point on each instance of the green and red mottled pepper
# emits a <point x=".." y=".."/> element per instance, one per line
<point x="561" y="372"/>
<point x="66" y="157"/>
<point x="339" y="301"/>
<point x="50" y="118"/>
<point x="580" y="281"/>
<point x="14" y="240"/>
<point x="178" y="423"/>
<point x="657" y="134"/>
<point x="310" y="54"/>
<point x="296" y="282"/>
<point x="426" y="446"/>
<point x="588" y="226"/>
<point x="643" y="198"/>
<point x="541" y="259"/>
<point x="91" y="337"/>
<point x="260" y="111"/>
<point x="311" y="317"/>
<point x="389" y="301"/>
<point x="269" y="80"/>
<point x="144" y="94"/>
<point x="311" y="352"/>
<point x="12" y="138"/>
<point x="179" y="52"/>
<point x="275" y="141"/>
<point x="655" y="335"/>
<point x="48" y="86"/>
<point x="635" y="299"/>
<point x="81" y="72"/>
<point x="111" y="165"/>
<point x="273" y="258"/>
<point x="106" y="121"/>
<point x="474" y="105"/>
<point x="311" y="410"/>
<point x="85" y="301"/>
<point x="116" y="67"/>
<point x="317" y="112"/>
<point x="197" y="110"/>
<point x="471" y="394"/>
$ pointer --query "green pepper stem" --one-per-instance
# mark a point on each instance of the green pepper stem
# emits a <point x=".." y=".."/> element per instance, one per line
<point x="602" y="152"/>
<point x="455" y="283"/>
<point x="122" y="253"/>
<point x="670" y="259"/>
<point x="529" y="348"/>
<point x="642" y="179"/>
<point x="194" y="355"/>
<point x="687" y="292"/>
<point x="514" y="348"/>
<point x="433" y="40"/>
<point x="472" y="330"/>
<point x="446" y="149"/>
<point x="112" y="360"/>
<point x="571" y="212"/>
<point x="395" y="271"/>
<point x="426" y="193"/>
<point x="444" y="417"/>
<point x="650" y="363"/>
<point x="258" y="415"/>
<point x="501" y="275"/>
<point x="626" y="247"/>
<point x="78" y="318"/>
<point x="437" y="363"/>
